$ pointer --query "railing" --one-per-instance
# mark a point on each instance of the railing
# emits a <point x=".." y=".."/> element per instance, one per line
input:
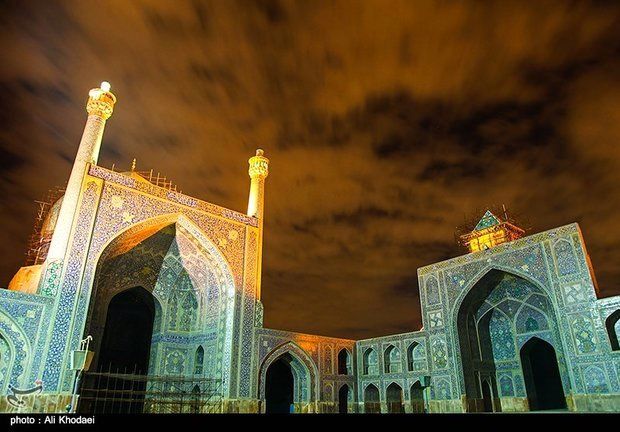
<point x="129" y="393"/>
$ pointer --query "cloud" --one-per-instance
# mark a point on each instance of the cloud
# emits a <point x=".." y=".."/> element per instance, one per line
<point x="385" y="122"/>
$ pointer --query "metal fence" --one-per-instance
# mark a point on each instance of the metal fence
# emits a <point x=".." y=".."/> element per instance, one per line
<point x="112" y="393"/>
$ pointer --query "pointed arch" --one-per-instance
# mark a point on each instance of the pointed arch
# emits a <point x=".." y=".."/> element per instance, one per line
<point x="412" y="350"/>
<point x="416" y="397"/>
<point x="372" y="401"/>
<point x="391" y="359"/>
<point x="501" y="269"/>
<point x="199" y="358"/>
<point x="179" y="270"/>
<point x="124" y="239"/>
<point x="344" y="362"/>
<point x="542" y="375"/>
<point x="370" y="363"/>
<point x="496" y="299"/>
<point x="305" y="371"/>
<point x="145" y="227"/>
<point x="394" y="398"/>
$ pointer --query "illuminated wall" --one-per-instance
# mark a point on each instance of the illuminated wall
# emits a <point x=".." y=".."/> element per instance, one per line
<point x="202" y="264"/>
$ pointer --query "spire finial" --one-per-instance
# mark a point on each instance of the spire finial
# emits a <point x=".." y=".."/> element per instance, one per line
<point x="133" y="164"/>
<point x="101" y="101"/>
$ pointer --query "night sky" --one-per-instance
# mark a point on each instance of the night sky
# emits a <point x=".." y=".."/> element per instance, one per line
<point x="387" y="125"/>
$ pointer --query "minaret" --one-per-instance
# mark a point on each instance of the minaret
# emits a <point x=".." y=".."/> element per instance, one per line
<point x="100" y="106"/>
<point x="258" y="171"/>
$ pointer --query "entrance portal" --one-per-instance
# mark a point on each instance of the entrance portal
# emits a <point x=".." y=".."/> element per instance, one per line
<point x="372" y="402"/>
<point x="279" y="389"/>
<point x="394" y="396"/>
<point x="498" y="311"/>
<point x="542" y="376"/>
<point x="417" y="398"/>
<point x="124" y="356"/>
<point x="126" y="342"/>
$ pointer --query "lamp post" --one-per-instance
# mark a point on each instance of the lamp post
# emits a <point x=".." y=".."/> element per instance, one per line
<point x="80" y="361"/>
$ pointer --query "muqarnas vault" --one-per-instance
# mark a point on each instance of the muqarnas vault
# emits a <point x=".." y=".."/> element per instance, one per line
<point x="168" y="288"/>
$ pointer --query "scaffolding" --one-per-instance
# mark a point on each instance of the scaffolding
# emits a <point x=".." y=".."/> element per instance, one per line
<point x="489" y="231"/>
<point x="156" y="179"/>
<point x="39" y="241"/>
<point x="121" y="393"/>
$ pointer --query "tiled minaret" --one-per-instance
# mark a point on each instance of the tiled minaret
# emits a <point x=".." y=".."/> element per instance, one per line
<point x="100" y="106"/>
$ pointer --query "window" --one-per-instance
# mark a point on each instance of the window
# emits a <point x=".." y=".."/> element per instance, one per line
<point x="199" y="360"/>
<point x="344" y="362"/>
<point x="369" y="362"/>
<point x="391" y="359"/>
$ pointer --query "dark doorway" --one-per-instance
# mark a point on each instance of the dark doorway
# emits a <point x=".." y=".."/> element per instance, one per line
<point x="487" y="397"/>
<point x="417" y="398"/>
<point x="343" y="399"/>
<point x="279" y="387"/>
<point x="372" y="402"/>
<point x="126" y="342"/>
<point x="394" y="396"/>
<point x="124" y="356"/>
<point x="542" y="376"/>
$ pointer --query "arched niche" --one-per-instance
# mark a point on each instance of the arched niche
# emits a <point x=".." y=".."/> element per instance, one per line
<point x="493" y="318"/>
<point x="303" y="371"/>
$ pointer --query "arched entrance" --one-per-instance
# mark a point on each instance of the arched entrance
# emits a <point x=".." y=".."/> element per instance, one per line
<point x="279" y="389"/>
<point x="372" y="403"/>
<point x="394" y="397"/>
<point x="343" y="399"/>
<point x="500" y="309"/>
<point x="288" y="375"/>
<point x="159" y="289"/>
<point x="124" y="354"/>
<point x="126" y="342"/>
<point x="542" y="376"/>
<point x="417" y="398"/>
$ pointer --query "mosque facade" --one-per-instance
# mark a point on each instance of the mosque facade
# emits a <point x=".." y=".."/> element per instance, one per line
<point x="143" y="299"/>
